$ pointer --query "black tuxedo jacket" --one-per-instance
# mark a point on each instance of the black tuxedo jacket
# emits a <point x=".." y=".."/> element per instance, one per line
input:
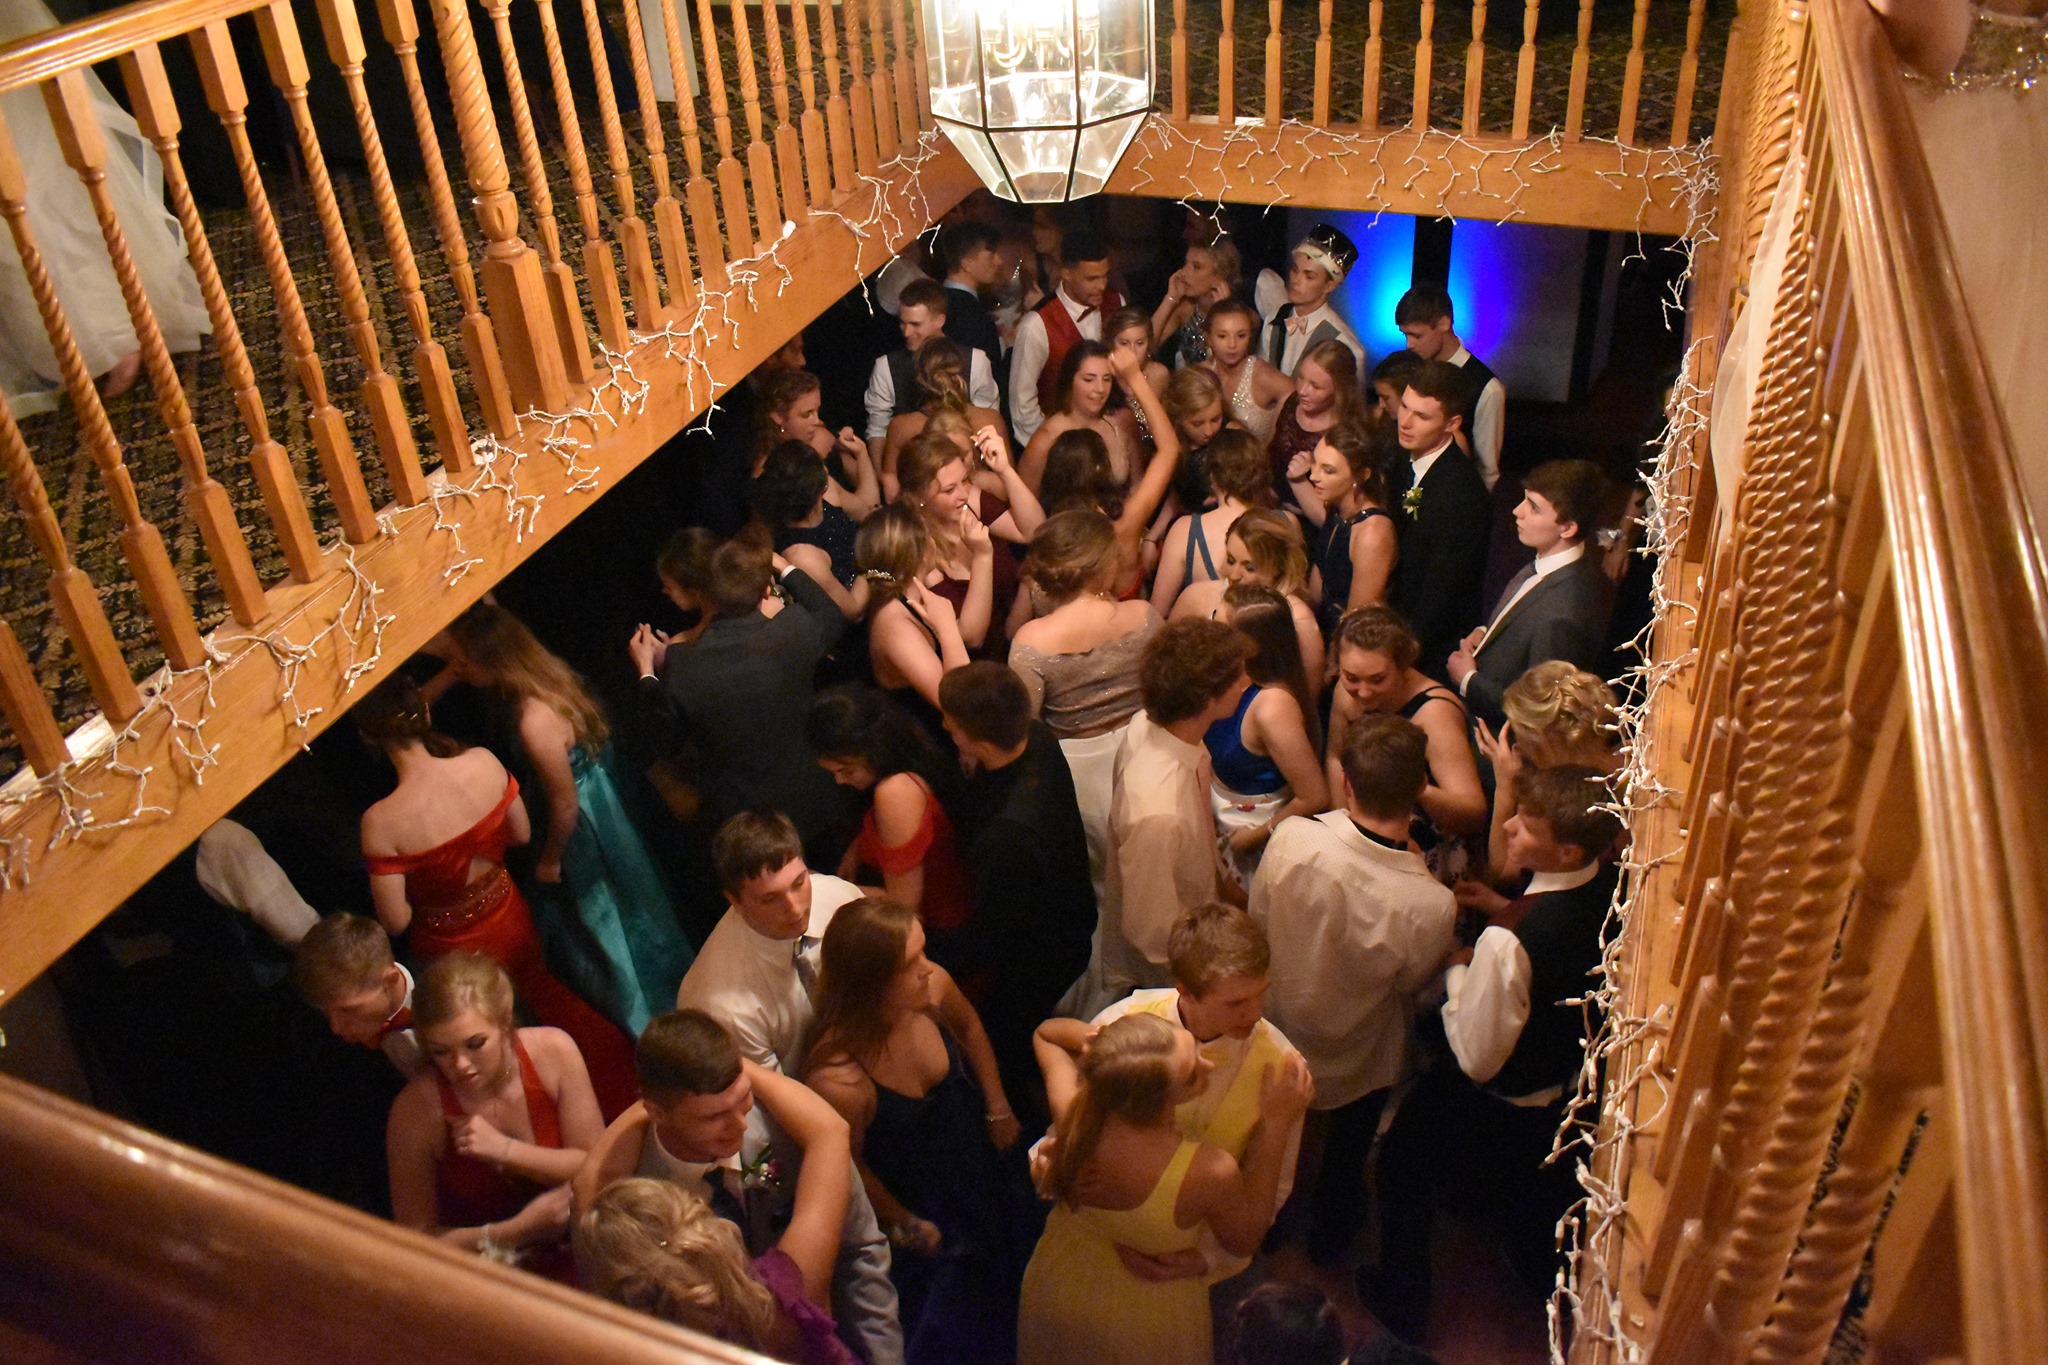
<point x="1443" y="541"/>
<point x="1562" y="616"/>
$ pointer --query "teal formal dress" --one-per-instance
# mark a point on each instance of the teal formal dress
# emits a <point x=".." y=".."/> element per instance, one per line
<point x="621" y="899"/>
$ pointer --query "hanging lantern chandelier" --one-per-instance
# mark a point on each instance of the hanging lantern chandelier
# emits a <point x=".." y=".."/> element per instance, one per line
<point x="1041" y="96"/>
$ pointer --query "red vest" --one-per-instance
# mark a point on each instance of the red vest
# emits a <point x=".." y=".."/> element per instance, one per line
<point x="1060" y="336"/>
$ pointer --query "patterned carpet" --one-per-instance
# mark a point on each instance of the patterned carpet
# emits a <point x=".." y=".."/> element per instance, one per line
<point x="73" y="482"/>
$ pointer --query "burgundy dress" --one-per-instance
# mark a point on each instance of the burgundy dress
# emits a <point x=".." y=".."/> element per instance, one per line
<point x="995" y="645"/>
<point x="470" y="1192"/>
<point x="451" y="913"/>
<point x="1288" y="441"/>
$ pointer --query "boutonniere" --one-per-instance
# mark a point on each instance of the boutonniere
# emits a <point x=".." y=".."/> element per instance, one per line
<point x="1411" y="501"/>
<point x="764" y="1172"/>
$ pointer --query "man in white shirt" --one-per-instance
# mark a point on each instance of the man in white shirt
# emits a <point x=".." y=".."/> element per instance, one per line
<point x="343" y="968"/>
<point x="1049" y="331"/>
<point x="1425" y="317"/>
<point x="756" y="969"/>
<point x="1556" y="607"/>
<point x="1359" y="927"/>
<point x="697" y="1123"/>
<point x="1298" y="313"/>
<point x="1162" y="851"/>
<point x="892" y="385"/>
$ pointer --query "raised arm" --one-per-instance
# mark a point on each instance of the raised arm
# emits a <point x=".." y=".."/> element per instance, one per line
<point x="613" y="1157"/>
<point x="1026" y="514"/>
<point x="857" y="455"/>
<point x="1057" y="1044"/>
<point x="979" y="608"/>
<point x="823" y="1182"/>
<point x="1158" y="476"/>
<point x="896" y="637"/>
<point x="1238" y="1201"/>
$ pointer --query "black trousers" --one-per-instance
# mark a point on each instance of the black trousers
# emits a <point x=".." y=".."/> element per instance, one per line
<point x="1337" y="1207"/>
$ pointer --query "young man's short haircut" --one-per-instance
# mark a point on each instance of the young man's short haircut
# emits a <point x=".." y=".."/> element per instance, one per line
<point x="1569" y="800"/>
<point x="1396" y="368"/>
<point x="1577" y="489"/>
<point x="929" y="294"/>
<point x="739" y="575"/>
<point x="1188" y="665"/>
<point x="1080" y="247"/>
<point x="958" y="241"/>
<point x="1441" y="380"/>
<point x="1216" y="942"/>
<point x="752" y="844"/>
<point x="989" y="702"/>
<point x="1386" y="761"/>
<point x="340" y="954"/>
<point x="684" y="1053"/>
<point x="685" y="558"/>
<point x="1425" y="303"/>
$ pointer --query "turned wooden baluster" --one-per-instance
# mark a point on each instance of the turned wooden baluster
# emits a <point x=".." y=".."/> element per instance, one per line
<point x="71" y="591"/>
<point x="732" y="180"/>
<point x="1274" y="103"/>
<point x="888" y="137"/>
<point x="1525" y="72"/>
<point x="479" y="340"/>
<point x="1425" y="49"/>
<point x="789" y="152"/>
<point x="641" y="281"/>
<point x="1226" y="66"/>
<point x="703" y="202"/>
<point x="1575" y="104"/>
<point x="343" y="31"/>
<point x="760" y="163"/>
<point x="156" y="112"/>
<point x="1632" y="75"/>
<point x="1475" y="67"/>
<point x="599" y="269"/>
<point x="666" y="211"/>
<point x="1369" y="111"/>
<point x="1321" y="115"/>
<point x="85" y="149"/>
<point x="1179" y="58"/>
<point x="1688" y="74"/>
<point x="867" y="157"/>
<point x="512" y="276"/>
<point x="279" y="31"/>
<point x="924" y="69"/>
<point x="906" y="79"/>
<point x="27" y="708"/>
<point x="816" y="146"/>
<point x="560" y="285"/>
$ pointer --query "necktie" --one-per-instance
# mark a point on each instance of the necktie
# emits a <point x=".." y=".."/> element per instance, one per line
<point x="806" y="967"/>
<point x="1514" y="586"/>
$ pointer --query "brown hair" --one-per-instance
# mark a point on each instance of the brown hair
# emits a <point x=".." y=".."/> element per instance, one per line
<point x="1442" y="381"/>
<point x="861" y="954"/>
<point x="1335" y="359"/>
<point x="685" y="558"/>
<point x="458" y="982"/>
<point x="1215" y="942"/>
<point x="1561" y="713"/>
<point x="1127" y="320"/>
<point x="1125" y="1073"/>
<point x="1572" y="801"/>
<point x="1378" y="630"/>
<point x="890" y="549"/>
<point x="1189" y="664"/>
<point x="341" y="953"/>
<point x="1386" y="761"/>
<point x="521" y="668"/>
<point x="1273" y="541"/>
<point x="1263" y="616"/>
<point x="395" y="715"/>
<point x="1354" y="446"/>
<point x="751" y="844"/>
<point x="657" y="1247"/>
<point x="780" y="389"/>
<point x="941" y="372"/>
<point x="1239" y="308"/>
<point x="1577" y="489"/>
<point x="739" y="574"/>
<point x="1077" y="355"/>
<point x="1072" y="551"/>
<point x="918" y="463"/>
<point x="988" y="702"/>
<point x="1239" y="468"/>
<point x="923" y="294"/>
<point x="1222" y="251"/>
<point x="684" y="1053"/>
<point x="1078" y="473"/>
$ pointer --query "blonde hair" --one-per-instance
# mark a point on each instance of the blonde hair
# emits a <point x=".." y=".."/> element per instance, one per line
<point x="341" y="953"/>
<point x="521" y="667"/>
<point x="654" y="1246"/>
<point x="889" y="549"/>
<point x="1126" y="1073"/>
<point x="458" y="982"/>
<point x="1071" y="552"/>
<point x="1190" y="391"/>
<point x="1273" y="540"/>
<point x="918" y="464"/>
<point x="1562" y="714"/>
<point x="941" y="371"/>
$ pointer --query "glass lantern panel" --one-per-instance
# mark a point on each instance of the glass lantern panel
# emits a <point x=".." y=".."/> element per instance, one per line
<point x="1101" y="147"/>
<point x="973" y="145"/>
<point x="1038" y="160"/>
<point x="1116" y="56"/>
<point x="953" y="59"/>
<point x="1027" y="55"/>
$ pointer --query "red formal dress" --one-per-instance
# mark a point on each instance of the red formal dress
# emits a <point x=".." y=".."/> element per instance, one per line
<point x="470" y="1192"/>
<point x="452" y="913"/>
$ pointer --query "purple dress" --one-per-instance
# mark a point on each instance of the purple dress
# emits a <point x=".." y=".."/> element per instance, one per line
<point x="821" y="1344"/>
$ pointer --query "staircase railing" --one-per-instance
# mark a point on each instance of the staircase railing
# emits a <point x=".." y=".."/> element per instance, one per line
<point x="1848" y="948"/>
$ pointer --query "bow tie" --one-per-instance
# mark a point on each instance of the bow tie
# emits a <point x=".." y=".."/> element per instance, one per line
<point x="397" y="1023"/>
<point x="1297" y="326"/>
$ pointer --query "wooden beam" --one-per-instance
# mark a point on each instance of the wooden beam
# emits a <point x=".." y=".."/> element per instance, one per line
<point x="61" y="892"/>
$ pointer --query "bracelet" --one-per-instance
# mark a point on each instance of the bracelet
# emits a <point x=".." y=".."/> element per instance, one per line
<point x="999" y="1118"/>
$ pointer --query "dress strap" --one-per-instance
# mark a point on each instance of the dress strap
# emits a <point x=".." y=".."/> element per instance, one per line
<point x="1167" y="1191"/>
<point x="1198" y="540"/>
<point x="398" y="864"/>
<point x="923" y="625"/>
<point x="540" y="1106"/>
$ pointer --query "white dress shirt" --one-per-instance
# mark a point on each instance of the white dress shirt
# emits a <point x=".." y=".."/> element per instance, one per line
<point x="1358" y="930"/>
<point x="235" y="869"/>
<point x="1423" y="463"/>
<point x="1544" y="565"/>
<point x="881" y="395"/>
<point x="1027" y="360"/>
<point x="1269" y="296"/>
<point x="749" y="982"/>
<point x="1489" y="416"/>
<point x="1162" y="854"/>
<point x="1487" y="1003"/>
<point x="401" y="1046"/>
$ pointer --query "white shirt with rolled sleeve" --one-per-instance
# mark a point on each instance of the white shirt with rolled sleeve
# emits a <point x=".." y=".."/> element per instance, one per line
<point x="1486" y="1005"/>
<point x="1489" y="417"/>
<point x="1358" y="931"/>
<point x="880" y="400"/>
<point x="1162" y="855"/>
<point x="749" y="982"/>
<point x="1027" y="361"/>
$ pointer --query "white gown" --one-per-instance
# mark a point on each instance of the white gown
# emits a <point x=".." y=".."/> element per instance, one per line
<point x="68" y="238"/>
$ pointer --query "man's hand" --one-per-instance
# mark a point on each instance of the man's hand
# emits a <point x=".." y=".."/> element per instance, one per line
<point x="1481" y="897"/>
<point x="1461" y="664"/>
<point x="1184" y="1264"/>
<point x="918" y="1235"/>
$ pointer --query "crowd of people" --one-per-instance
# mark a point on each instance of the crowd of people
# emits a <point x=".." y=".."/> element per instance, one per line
<point x="1134" y="824"/>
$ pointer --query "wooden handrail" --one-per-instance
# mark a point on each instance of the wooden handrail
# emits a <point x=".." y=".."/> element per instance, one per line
<point x="103" y="37"/>
<point x="121" y="1245"/>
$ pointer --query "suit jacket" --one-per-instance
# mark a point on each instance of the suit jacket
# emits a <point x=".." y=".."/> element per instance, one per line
<point x="969" y="322"/>
<point x="1562" y="616"/>
<point x="1443" y="541"/>
<point x="743" y="690"/>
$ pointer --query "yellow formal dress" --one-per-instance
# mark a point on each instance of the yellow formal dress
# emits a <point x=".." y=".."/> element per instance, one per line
<point x="1081" y="1307"/>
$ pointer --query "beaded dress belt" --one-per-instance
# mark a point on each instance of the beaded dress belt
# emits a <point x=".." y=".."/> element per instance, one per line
<point x="479" y="898"/>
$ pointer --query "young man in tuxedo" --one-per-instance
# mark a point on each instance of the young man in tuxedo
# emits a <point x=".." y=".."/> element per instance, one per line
<point x="971" y="255"/>
<point x="1426" y="319"/>
<point x="921" y="314"/>
<point x="1556" y="607"/>
<point x="1303" y="316"/>
<point x="1049" y="331"/>
<point x="1444" y="515"/>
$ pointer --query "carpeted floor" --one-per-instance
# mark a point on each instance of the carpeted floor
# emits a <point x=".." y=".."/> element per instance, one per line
<point x="73" y="483"/>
